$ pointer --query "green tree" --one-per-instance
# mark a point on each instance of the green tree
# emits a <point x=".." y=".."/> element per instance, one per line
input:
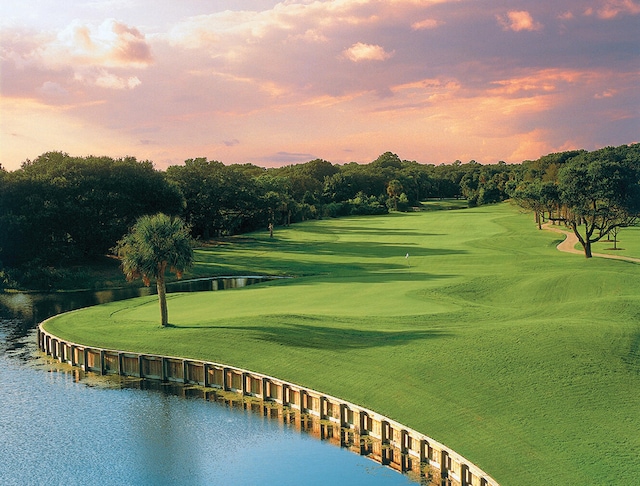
<point x="219" y="199"/>
<point x="470" y="186"/>
<point x="154" y="245"/>
<point x="538" y="197"/>
<point x="416" y="181"/>
<point x="339" y="187"/>
<point x="599" y="192"/>
<point x="394" y="189"/>
<point x="276" y="198"/>
<point x="386" y="160"/>
<point x="58" y="209"/>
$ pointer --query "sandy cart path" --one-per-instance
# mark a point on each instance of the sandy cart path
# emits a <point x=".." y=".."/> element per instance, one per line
<point x="571" y="240"/>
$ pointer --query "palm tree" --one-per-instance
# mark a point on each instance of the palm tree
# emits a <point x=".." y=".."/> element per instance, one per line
<point x="394" y="189"/>
<point x="154" y="244"/>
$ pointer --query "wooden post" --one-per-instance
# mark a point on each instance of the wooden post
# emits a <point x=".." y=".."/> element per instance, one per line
<point x="424" y="449"/>
<point x="384" y="431"/>
<point x="246" y="390"/>
<point x="205" y="370"/>
<point x="464" y="475"/>
<point x="363" y="422"/>
<point x="444" y="464"/>
<point x="225" y="379"/>
<point x="303" y="401"/>
<point x="102" y="364"/>
<point x="343" y="415"/>
<point x="185" y="371"/>
<point x="404" y="441"/>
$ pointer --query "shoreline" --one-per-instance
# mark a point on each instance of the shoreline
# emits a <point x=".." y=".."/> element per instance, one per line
<point x="382" y="439"/>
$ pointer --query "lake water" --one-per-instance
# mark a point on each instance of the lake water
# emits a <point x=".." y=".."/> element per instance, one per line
<point x="60" y="426"/>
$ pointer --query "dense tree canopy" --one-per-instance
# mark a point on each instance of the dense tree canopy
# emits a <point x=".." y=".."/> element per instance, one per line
<point x="599" y="191"/>
<point x="219" y="199"/>
<point x="58" y="209"/>
<point x="592" y="193"/>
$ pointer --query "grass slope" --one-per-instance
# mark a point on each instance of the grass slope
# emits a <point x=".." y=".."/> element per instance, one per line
<point x="521" y="358"/>
<point x="628" y="243"/>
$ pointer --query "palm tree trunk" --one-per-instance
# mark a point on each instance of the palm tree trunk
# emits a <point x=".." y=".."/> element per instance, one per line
<point x="162" y="295"/>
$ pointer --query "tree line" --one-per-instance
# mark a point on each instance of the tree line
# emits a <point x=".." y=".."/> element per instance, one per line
<point x="594" y="193"/>
<point x="59" y="209"/>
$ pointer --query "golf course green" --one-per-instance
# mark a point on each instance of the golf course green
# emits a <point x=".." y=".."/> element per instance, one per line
<point x="523" y="359"/>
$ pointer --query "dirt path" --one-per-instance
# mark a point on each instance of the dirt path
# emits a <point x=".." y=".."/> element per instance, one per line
<point x="571" y="240"/>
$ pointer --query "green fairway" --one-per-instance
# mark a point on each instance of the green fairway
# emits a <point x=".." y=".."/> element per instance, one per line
<point x="521" y="358"/>
<point x="628" y="243"/>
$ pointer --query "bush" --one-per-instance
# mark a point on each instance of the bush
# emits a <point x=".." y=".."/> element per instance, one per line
<point x="403" y="203"/>
<point x="335" y="210"/>
<point x="366" y="205"/>
<point x="489" y="195"/>
<point x="32" y="276"/>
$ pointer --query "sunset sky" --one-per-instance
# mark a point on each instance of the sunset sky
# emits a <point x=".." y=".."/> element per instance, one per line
<point x="276" y="83"/>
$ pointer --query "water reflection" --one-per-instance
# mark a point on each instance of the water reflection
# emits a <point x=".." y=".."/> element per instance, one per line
<point x="160" y="429"/>
<point x="23" y="311"/>
<point x="116" y="430"/>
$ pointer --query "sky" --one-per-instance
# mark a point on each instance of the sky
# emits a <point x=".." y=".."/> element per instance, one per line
<point x="282" y="82"/>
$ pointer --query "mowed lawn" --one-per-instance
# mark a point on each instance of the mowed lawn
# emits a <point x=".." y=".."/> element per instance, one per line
<point x="521" y="358"/>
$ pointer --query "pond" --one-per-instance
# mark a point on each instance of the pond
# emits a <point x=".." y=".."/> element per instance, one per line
<point x="59" y="425"/>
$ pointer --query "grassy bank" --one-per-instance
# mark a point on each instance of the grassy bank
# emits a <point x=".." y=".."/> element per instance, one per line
<point x="521" y="358"/>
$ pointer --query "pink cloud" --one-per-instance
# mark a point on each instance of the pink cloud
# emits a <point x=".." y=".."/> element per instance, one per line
<point x="607" y="93"/>
<point x="366" y="52"/>
<point x="341" y="79"/>
<point x="518" y="21"/>
<point x="426" y="24"/>
<point x="110" y="44"/>
<point x="566" y="16"/>
<point x="130" y="46"/>
<point x="610" y="9"/>
<point x="53" y="90"/>
<point x="58" y="67"/>
<point x="111" y="81"/>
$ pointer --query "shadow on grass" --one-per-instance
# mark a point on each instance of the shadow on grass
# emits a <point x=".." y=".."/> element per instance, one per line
<point x="632" y="358"/>
<point x="328" y="338"/>
<point x="363" y="230"/>
<point x="364" y="249"/>
<point x="328" y="255"/>
<point x="399" y="274"/>
<point x="255" y="254"/>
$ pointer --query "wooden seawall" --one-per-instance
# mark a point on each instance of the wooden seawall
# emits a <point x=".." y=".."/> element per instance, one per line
<point x="329" y="418"/>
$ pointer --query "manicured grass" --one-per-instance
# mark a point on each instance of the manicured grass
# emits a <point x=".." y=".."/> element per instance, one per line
<point x="521" y="358"/>
<point x="440" y="204"/>
<point x="628" y="243"/>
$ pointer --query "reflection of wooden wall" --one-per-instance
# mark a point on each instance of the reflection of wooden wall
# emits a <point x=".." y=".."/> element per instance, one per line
<point x="327" y="418"/>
